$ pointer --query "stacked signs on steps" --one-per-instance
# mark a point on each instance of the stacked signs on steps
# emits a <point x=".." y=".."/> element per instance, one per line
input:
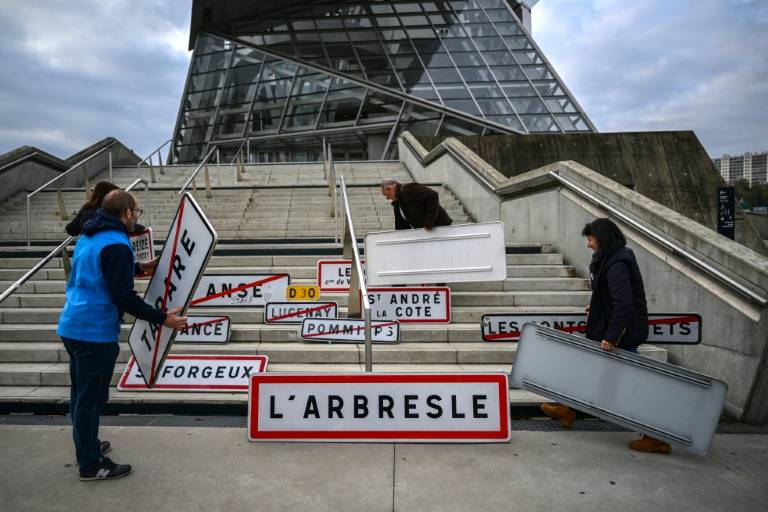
<point x="663" y="328"/>
<point x="189" y="246"/>
<point x="197" y="373"/>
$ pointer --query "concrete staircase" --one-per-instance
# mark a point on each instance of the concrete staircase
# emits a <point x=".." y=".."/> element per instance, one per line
<point x="274" y="220"/>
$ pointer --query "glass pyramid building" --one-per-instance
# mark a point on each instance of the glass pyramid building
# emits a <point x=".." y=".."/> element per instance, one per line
<point x="285" y="75"/>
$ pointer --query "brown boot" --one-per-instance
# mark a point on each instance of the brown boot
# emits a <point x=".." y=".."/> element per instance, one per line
<point x="648" y="444"/>
<point x="561" y="412"/>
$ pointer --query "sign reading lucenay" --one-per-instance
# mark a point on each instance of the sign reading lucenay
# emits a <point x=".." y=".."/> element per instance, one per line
<point x="186" y="252"/>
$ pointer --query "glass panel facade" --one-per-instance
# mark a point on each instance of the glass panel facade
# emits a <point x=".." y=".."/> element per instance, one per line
<point x="361" y="72"/>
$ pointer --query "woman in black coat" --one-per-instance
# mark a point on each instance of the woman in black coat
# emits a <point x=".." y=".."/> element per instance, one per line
<point x="88" y="210"/>
<point x="617" y="315"/>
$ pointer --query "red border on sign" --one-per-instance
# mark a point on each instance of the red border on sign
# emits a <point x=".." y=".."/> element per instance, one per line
<point x="262" y="359"/>
<point x="320" y="263"/>
<point x="442" y="435"/>
<point x="447" y="320"/>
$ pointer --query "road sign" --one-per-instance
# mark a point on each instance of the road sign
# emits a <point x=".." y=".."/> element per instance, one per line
<point x="658" y="399"/>
<point x="411" y="305"/>
<point x="143" y="247"/>
<point x="433" y="407"/>
<point x="335" y="275"/>
<point x="186" y="252"/>
<point x="205" y="329"/>
<point x="664" y="328"/>
<point x="299" y="292"/>
<point x="253" y="290"/>
<point x="348" y="330"/>
<point x="295" y="312"/>
<point x="197" y="373"/>
<point x="447" y="254"/>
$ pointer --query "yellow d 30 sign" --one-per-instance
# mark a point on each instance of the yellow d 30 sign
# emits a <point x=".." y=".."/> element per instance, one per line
<point x="297" y="292"/>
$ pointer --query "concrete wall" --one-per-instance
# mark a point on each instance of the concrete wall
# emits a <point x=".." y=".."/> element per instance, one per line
<point x="537" y="209"/>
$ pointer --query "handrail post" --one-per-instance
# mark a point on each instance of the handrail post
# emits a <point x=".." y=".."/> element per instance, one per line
<point x="160" y="161"/>
<point x="66" y="264"/>
<point x="110" y="167"/>
<point x="208" y="190"/>
<point x="248" y="150"/>
<point x="29" y="222"/>
<point x="368" y="345"/>
<point x="62" y="207"/>
<point x="86" y="183"/>
<point x="218" y="160"/>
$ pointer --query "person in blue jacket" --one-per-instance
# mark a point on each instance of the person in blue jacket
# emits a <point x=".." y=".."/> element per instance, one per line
<point x="617" y="315"/>
<point x="99" y="290"/>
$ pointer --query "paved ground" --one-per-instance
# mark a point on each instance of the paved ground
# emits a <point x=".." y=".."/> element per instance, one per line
<point x="212" y="469"/>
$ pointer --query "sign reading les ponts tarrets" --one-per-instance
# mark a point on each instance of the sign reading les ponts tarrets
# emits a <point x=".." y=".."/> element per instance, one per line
<point x="663" y="328"/>
<point x="348" y="330"/>
<point x="456" y="408"/>
<point x="295" y="312"/>
<point x="253" y="290"/>
<point x="205" y="329"/>
<point x="411" y="305"/>
<point x="197" y="373"/>
<point x="143" y="247"/>
<point x="186" y="252"/>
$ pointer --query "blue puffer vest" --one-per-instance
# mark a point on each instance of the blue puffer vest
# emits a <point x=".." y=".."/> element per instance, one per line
<point x="89" y="313"/>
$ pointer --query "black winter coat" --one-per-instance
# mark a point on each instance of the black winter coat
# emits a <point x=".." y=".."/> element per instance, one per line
<point x="421" y="206"/>
<point x="618" y="311"/>
<point x="75" y="226"/>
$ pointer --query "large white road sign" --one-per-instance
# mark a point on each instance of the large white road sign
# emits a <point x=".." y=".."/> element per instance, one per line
<point x="658" y="399"/>
<point x="411" y="305"/>
<point x="447" y="254"/>
<point x="253" y="290"/>
<point x="190" y="243"/>
<point x="433" y="407"/>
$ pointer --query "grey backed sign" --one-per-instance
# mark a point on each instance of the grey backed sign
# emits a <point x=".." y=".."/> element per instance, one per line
<point x="295" y="312"/>
<point x="663" y="328"/>
<point x="348" y="330"/>
<point x="186" y="252"/>
<point x="206" y="329"/>
<point x="252" y="290"/>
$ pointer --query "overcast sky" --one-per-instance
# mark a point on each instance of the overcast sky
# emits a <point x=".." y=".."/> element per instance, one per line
<point x="75" y="71"/>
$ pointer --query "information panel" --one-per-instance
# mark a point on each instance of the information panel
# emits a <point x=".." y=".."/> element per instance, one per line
<point x="186" y="251"/>
<point x="253" y="290"/>
<point x="411" y="305"/>
<point x="433" y="407"/>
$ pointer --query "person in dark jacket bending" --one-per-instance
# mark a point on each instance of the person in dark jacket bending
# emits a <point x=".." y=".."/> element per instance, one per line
<point x="617" y="314"/>
<point x="88" y="210"/>
<point x="99" y="290"/>
<point x="415" y="205"/>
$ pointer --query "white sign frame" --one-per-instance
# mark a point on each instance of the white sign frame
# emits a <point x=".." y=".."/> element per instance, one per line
<point x="166" y="383"/>
<point x="137" y="256"/>
<point x="576" y="324"/>
<point x="248" y="282"/>
<point x="266" y="391"/>
<point x="325" y="267"/>
<point x="203" y="338"/>
<point x="150" y="344"/>
<point x="359" y="325"/>
<point x="379" y="301"/>
<point x="446" y="254"/>
<point x="301" y="308"/>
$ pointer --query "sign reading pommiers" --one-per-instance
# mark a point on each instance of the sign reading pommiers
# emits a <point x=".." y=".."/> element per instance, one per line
<point x="205" y="329"/>
<point x="348" y="330"/>
<point x="295" y="312"/>
<point x="335" y="275"/>
<point x="253" y="290"/>
<point x="143" y="247"/>
<point x="664" y="328"/>
<point x="456" y="408"/>
<point x="197" y="373"/>
<point x="186" y="252"/>
<point x="411" y="305"/>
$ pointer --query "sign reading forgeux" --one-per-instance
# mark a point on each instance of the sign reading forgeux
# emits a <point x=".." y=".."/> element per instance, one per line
<point x="205" y="329"/>
<point x="456" y="408"/>
<point x="197" y="373"/>
<point x="143" y="247"/>
<point x="186" y="252"/>
<point x="295" y="312"/>
<point x="663" y="328"/>
<point x="253" y="290"/>
<point x="348" y="330"/>
<point x="335" y="275"/>
<point x="411" y="305"/>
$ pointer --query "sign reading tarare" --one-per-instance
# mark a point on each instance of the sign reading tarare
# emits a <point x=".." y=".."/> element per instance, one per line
<point x="456" y="408"/>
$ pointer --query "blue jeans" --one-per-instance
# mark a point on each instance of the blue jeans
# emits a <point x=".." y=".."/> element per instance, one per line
<point x="90" y="372"/>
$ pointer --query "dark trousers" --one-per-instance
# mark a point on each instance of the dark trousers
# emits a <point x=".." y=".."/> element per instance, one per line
<point x="90" y="371"/>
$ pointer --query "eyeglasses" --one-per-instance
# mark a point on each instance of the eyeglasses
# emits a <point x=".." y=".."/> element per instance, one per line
<point x="138" y="211"/>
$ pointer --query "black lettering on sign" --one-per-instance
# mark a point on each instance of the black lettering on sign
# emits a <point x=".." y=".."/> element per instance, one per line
<point x="193" y="371"/>
<point x="335" y="403"/>
<point x="433" y="402"/>
<point x="146" y="340"/>
<point x="187" y="243"/>
<point x="385" y="405"/>
<point x="478" y="406"/>
<point x="272" y="413"/>
<point x="167" y="369"/>
<point x="177" y="266"/>
<point x="455" y="409"/>
<point x="361" y="406"/>
<point x="178" y="372"/>
<point x="685" y="329"/>
<point x="219" y="372"/>
<point x="311" y="407"/>
<point x="408" y="401"/>
<point x="207" y="371"/>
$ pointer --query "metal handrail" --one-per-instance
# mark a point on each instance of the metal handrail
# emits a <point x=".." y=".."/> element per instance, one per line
<point x="149" y="157"/>
<point x="202" y="164"/>
<point x="350" y="242"/>
<point x="62" y="246"/>
<point x="237" y="153"/>
<point x="671" y="246"/>
<point x="38" y="189"/>
<point x="157" y="150"/>
<point x="27" y="157"/>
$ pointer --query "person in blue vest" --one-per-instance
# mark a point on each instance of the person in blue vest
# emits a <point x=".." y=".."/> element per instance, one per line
<point x="99" y="290"/>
